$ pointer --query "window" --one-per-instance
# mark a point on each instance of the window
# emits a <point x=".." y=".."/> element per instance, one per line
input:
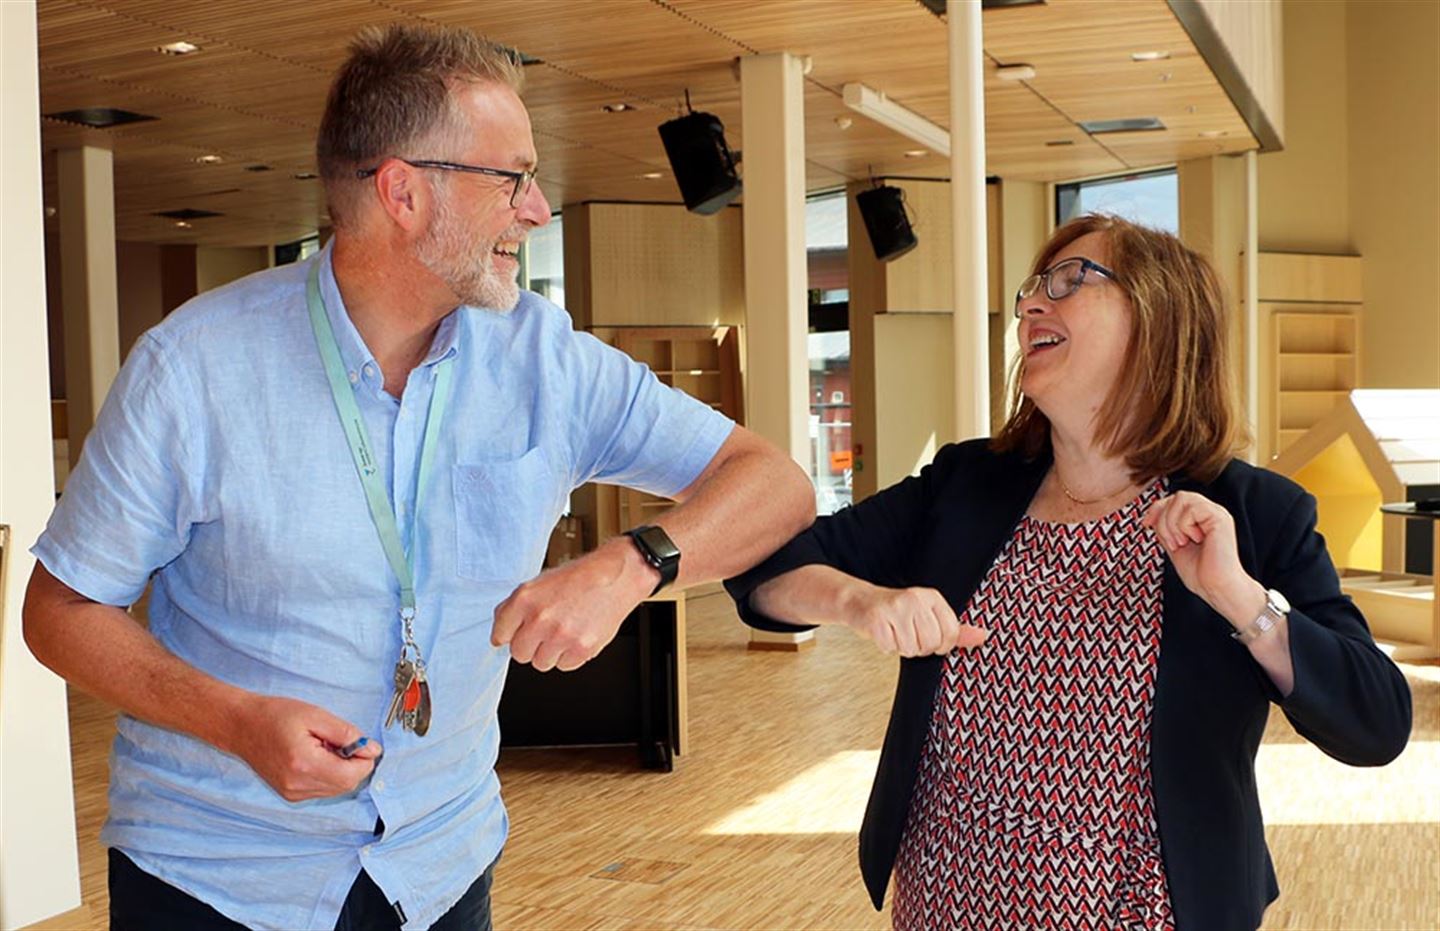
<point x="826" y="242"/>
<point x="544" y="262"/>
<point x="1151" y="199"/>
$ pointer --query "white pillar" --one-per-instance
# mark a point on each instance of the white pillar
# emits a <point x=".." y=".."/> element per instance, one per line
<point x="777" y="371"/>
<point x="86" y="182"/>
<point x="39" y="870"/>
<point x="967" y="193"/>
<point x="1251" y="299"/>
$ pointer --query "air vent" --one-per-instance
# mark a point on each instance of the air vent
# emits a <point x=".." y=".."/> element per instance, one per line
<point x="938" y="6"/>
<point x="1131" y="125"/>
<point x="517" y="55"/>
<point x="99" y="117"/>
<point x="188" y="213"/>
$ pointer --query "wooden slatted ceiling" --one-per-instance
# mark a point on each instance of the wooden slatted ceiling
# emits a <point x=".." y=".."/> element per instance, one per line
<point x="254" y="93"/>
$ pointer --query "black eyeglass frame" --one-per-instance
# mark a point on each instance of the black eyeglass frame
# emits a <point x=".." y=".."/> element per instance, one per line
<point x="1032" y="284"/>
<point x="523" y="179"/>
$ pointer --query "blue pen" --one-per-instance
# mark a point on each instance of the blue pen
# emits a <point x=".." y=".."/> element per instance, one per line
<point x="352" y="748"/>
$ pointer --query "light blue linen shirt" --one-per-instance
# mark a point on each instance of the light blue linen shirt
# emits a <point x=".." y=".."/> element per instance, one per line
<point x="218" y="464"/>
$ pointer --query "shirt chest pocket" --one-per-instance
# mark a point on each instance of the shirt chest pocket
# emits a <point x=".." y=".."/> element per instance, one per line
<point x="504" y="513"/>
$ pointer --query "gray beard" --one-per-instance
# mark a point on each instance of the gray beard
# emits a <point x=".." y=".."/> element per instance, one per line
<point x="467" y="267"/>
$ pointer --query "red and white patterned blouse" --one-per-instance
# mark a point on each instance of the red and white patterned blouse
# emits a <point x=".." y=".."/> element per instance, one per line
<point x="1033" y="806"/>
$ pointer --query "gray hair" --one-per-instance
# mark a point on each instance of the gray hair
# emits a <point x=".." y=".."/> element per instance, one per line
<point x="395" y="91"/>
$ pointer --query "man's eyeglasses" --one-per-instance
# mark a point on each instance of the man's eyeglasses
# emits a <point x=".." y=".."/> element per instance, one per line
<point x="1061" y="280"/>
<point x="523" y="179"/>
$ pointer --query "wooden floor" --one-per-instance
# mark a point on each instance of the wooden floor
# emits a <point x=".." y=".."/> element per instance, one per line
<point x="756" y="826"/>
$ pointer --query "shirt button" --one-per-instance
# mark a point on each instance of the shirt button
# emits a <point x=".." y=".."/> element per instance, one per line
<point x="365" y="851"/>
<point x="354" y="377"/>
<point x="379" y="785"/>
<point x="369" y="370"/>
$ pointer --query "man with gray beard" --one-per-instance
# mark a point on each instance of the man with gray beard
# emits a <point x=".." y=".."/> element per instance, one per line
<point x="341" y="475"/>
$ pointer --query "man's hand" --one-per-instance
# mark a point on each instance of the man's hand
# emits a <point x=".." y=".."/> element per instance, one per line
<point x="291" y="745"/>
<point x="909" y="621"/>
<point x="562" y="618"/>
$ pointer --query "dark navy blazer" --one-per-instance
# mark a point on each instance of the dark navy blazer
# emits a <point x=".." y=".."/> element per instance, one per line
<point x="944" y="528"/>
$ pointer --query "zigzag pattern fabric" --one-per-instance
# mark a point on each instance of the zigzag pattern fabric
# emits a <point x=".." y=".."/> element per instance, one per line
<point x="1033" y="807"/>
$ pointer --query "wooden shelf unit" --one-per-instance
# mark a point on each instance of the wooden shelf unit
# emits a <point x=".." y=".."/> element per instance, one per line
<point x="1310" y="344"/>
<point x="703" y="362"/>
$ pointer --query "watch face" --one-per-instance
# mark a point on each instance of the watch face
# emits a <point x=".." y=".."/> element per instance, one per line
<point x="1278" y="601"/>
<point x="658" y="542"/>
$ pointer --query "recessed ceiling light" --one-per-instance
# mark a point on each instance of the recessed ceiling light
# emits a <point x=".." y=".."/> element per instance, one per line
<point x="209" y="159"/>
<point x="916" y="153"/>
<point x="1214" y="133"/>
<point x="620" y="107"/>
<point x="305" y="176"/>
<point x="844" y="122"/>
<point x="181" y="224"/>
<point x="1149" y="56"/>
<point x="177" y="48"/>
<point x="1015" y="72"/>
<point x="653" y="175"/>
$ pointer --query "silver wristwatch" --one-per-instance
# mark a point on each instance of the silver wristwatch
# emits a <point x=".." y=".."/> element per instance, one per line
<point x="1276" y="610"/>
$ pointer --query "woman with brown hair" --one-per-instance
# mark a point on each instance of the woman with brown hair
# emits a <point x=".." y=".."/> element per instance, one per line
<point x="1095" y="610"/>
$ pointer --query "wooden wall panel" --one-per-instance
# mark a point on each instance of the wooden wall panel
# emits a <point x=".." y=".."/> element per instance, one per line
<point x="1337" y="279"/>
<point x="656" y="265"/>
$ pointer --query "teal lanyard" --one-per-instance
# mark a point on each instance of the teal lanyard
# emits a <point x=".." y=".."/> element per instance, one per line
<point x="402" y="562"/>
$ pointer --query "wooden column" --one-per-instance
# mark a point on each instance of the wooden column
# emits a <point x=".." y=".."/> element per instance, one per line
<point x="967" y="192"/>
<point x="88" y="289"/>
<point x="777" y="375"/>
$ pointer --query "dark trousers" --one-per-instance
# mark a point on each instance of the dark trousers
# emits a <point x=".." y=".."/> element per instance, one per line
<point x="140" y="902"/>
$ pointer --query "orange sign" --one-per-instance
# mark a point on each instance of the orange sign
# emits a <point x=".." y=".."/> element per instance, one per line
<point x="840" y="460"/>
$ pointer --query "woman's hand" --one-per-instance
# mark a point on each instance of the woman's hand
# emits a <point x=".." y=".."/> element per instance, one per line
<point x="1199" y="537"/>
<point x="910" y="621"/>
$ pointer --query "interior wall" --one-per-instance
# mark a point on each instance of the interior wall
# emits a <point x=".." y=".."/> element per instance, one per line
<point x="145" y="296"/>
<point x="39" y="869"/>
<point x="1304" y="190"/>
<point x="219" y="265"/>
<point x="1213" y="195"/>
<point x="137" y="272"/>
<point x="914" y="362"/>
<point x="1392" y="65"/>
<point x="1024" y="208"/>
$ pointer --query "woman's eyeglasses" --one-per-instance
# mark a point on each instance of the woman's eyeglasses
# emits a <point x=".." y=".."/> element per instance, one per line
<point x="1061" y="280"/>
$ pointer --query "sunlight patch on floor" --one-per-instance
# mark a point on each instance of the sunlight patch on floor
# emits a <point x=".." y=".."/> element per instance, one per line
<point x="828" y="798"/>
<point x="1300" y="785"/>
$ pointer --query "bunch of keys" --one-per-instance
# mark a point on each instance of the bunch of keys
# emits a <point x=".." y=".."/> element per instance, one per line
<point x="411" y="703"/>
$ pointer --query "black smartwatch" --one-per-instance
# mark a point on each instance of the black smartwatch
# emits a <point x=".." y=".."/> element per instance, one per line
<point x="659" y="551"/>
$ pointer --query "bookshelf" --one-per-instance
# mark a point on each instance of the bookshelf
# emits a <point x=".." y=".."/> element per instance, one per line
<point x="1310" y="351"/>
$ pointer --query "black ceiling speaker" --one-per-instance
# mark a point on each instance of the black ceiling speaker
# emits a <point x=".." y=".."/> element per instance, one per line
<point x="703" y="165"/>
<point x="883" y="210"/>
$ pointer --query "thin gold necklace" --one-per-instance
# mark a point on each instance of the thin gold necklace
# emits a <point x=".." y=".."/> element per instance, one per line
<point x="1072" y="496"/>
